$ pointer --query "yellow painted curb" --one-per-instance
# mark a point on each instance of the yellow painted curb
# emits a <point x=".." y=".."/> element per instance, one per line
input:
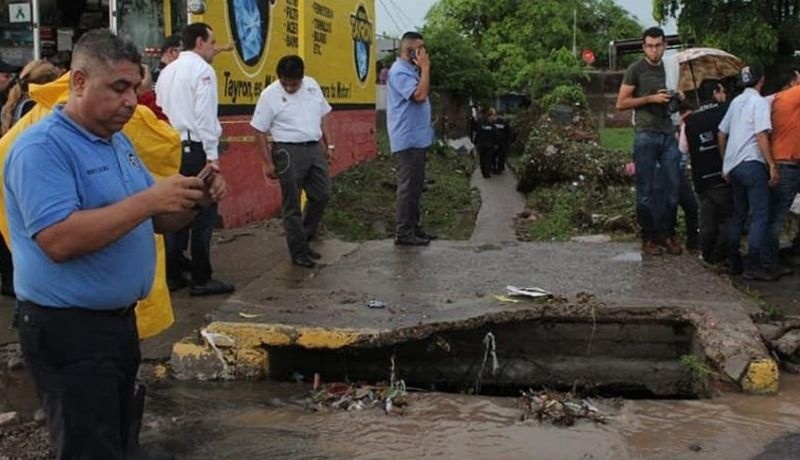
<point x="762" y="377"/>
<point x="249" y="335"/>
<point x="182" y="350"/>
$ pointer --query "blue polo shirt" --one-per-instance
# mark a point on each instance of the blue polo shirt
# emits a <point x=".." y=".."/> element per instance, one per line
<point x="55" y="168"/>
<point x="408" y="121"/>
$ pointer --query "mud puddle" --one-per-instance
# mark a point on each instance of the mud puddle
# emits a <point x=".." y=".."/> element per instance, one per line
<point x="269" y="420"/>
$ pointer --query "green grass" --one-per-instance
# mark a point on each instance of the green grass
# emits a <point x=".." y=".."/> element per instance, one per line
<point x="617" y="138"/>
<point x="363" y="198"/>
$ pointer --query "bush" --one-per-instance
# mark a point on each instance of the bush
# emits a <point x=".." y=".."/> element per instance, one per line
<point x="571" y="95"/>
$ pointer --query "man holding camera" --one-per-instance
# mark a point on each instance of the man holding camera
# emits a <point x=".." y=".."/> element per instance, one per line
<point x="655" y="147"/>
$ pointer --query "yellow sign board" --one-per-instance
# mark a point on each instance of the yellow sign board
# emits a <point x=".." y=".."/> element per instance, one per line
<point x="335" y="38"/>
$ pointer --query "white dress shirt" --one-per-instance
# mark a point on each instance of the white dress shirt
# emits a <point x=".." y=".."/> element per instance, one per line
<point x="295" y="117"/>
<point x="749" y="114"/>
<point x="187" y="93"/>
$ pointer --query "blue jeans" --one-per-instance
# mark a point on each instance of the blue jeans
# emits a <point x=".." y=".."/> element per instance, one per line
<point x="658" y="172"/>
<point x="781" y="199"/>
<point x="749" y="185"/>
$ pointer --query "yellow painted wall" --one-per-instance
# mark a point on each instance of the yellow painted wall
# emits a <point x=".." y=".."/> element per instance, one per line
<point x="325" y="33"/>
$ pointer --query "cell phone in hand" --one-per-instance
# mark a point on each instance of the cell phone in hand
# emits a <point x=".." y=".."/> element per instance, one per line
<point x="412" y="54"/>
<point x="206" y="174"/>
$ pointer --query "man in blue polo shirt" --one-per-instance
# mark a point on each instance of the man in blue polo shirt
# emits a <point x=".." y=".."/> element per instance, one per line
<point x="408" y="117"/>
<point x="81" y="210"/>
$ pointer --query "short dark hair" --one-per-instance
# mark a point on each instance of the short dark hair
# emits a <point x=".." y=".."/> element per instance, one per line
<point x="785" y="75"/>
<point x="706" y="90"/>
<point x="173" y="41"/>
<point x="102" y="45"/>
<point x="411" y="35"/>
<point x="190" y="33"/>
<point x="653" y="32"/>
<point x="291" y="66"/>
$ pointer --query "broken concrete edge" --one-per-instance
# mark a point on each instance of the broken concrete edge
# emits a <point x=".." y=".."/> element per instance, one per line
<point x="735" y="349"/>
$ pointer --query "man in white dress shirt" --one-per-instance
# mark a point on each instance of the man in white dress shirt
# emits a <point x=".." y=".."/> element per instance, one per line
<point x="293" y="112"/>
<point x="187" y="92"/>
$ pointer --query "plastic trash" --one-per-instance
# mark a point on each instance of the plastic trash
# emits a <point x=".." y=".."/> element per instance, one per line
<point x="534" y="292"/>
<point x="376" y="304"/>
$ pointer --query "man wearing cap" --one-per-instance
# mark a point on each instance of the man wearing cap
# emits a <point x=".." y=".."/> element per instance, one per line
<point x="187" y="93"/>
<point x="170" y="50"/>
<point x="749" y="167"/>
<point x="655" y="148"/>
<point x="7" y="72"/>
<point x="294" y="112"/>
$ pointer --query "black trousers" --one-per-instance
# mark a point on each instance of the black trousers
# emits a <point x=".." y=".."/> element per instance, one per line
<point x="301" y="167"/>
<point x="84" y="364"/>
<point x="198" y="232"/>
<point x="716" y="209"/>
<point x="410" y="180"/>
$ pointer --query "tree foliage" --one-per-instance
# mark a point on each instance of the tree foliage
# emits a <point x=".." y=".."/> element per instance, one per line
<point x="514" y="37"/>
<point x="763" y="31"/>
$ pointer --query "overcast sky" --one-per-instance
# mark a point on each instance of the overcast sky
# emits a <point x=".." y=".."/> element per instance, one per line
<point x="397" y="16"/>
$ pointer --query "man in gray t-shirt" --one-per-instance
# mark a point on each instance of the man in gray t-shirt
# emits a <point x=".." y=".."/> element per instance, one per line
<point x="655" y="147"/>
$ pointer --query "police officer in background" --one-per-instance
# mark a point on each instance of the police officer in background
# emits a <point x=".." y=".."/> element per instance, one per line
<point x="502" y="140"/>
<point x="484" y="139"/>
<point x="187" y="93"/>
<point x="293" y="111"/>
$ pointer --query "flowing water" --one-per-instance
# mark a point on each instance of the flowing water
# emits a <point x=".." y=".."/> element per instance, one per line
<point x="269" y="420"/>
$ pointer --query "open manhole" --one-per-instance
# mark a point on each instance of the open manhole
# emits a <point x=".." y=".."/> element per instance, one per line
<point x="631" y="358"/>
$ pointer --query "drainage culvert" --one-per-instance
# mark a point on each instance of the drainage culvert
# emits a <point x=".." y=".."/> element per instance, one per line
<point x="635" y="358"/>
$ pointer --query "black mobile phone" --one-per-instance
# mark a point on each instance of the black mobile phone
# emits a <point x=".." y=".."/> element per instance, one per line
<point x="412" y="54"/>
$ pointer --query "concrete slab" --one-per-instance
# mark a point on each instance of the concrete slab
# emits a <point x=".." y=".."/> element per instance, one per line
<point x="453" y="285"/>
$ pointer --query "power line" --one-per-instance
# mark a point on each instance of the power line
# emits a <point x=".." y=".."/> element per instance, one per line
<point x="389" y="13"/>
<point x="403" y="13"/>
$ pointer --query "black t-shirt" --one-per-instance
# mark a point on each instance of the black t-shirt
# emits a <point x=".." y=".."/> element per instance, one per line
<point x="702" y="127"/>
<point x="484" y="133"/>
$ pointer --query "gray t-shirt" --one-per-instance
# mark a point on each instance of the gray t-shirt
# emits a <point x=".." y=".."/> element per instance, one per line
<point x="649" y="79"/>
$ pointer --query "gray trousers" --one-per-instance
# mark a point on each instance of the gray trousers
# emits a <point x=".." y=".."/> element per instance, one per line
<point x="301" y="167"/>
<point x="410" y="179"/>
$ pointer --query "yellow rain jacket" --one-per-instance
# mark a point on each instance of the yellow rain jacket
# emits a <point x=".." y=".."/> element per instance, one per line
<point x="159" y="147"/>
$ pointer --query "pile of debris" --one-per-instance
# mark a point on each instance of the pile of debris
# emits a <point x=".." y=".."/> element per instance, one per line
<point x="783" y="338"/>
<point x="564" y="147"/>
<point x="344" y="396"/>
<point x="560" y="409"/>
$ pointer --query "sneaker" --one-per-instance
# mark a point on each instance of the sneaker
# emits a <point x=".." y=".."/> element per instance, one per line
<point x="420" y="233"/>
<point x="211" y="287"/>
<point x="673" y="247"/>
<point x="304" y="262"/>
<point x="314" y="255"/>
<point x="650" y="248"/>
<point x="759" y="274"/>
<point x="412" y="240"/>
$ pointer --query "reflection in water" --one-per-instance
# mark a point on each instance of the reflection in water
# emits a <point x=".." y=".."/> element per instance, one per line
<point x="268" y="420"/>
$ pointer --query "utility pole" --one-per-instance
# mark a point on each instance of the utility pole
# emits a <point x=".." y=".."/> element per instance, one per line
<point x="575" y="32"/>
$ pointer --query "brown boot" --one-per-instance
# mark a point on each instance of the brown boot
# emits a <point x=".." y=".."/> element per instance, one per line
<point x="650" y="248"/>
<point x="673" y="246"/>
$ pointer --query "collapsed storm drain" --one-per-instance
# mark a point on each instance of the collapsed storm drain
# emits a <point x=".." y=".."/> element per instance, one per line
<point x="633" y="358"/>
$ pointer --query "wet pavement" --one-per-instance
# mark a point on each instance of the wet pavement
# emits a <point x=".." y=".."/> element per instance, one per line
<point x="500" y="204"/>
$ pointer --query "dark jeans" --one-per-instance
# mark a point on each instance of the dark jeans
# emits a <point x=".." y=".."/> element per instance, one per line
<point x="198" y="232"/>
<point x="486" y="160"/>
<point x="781" y="199"/>
<point x="301" y="167"/>
<point x="84" y="364"/>
<point x="499" y="159"/>
<point x="750" y="193"/>
<point x="687" y="201"/>
<point x="6" y="267"/>
<point x="410" y="179"/>
<point x="716" y="206"/>
<point x="658" y="172"/>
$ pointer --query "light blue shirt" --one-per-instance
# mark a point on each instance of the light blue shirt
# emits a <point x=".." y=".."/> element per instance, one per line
<point x="55" y="168"/>
<point x="748" y="115"/>
<point x="408" y="121"/>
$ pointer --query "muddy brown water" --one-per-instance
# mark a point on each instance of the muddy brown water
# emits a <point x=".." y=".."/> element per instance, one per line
<point x="269" y="420"/>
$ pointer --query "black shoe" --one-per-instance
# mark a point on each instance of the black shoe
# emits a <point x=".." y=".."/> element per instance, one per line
<point x="304" y="262"/>
<point x="176" y="284"/>
<point x="314" y="255"/>
<point x="141" y="454"/>
<point x="759" y="274"/>
<point x="412" y="240"/>
<point x="211" y="287"/>
<point x="420" y="233"/>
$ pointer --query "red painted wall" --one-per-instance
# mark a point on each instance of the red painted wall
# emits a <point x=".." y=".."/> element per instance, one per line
<point x="250" y="196"/>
